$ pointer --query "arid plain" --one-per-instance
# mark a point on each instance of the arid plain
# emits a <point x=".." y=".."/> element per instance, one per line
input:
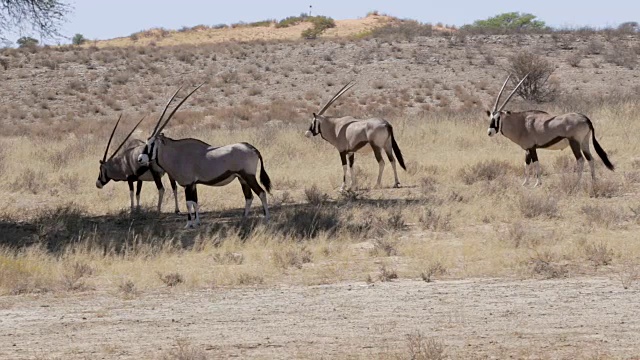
<point x="460" y="262"/>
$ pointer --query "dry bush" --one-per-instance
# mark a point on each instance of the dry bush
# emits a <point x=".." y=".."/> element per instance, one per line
<point x="56" y="228"/>
<point x="544" y="264"/>
<point x="435" y="268"/>
<point x="435" y="221"/>
<point x="128" y="289"/>
<point x="574" y="59"/>
<point x="622" y="55"/>
<point x="184" y="351"/>
<point x="384" y="247"/>
<point x="519" y="234"/>
<point x="387" y="273"/>
<point x="295" y="257"/>
<point x="315" y="196"/>
<point x="538" y="205"/>
<point x="72" y="278"/>
<point x="403" y="30"/>
<point x="629" y="273"/>
<point x="32" y="181"/>
<point x="249" y="279"/>
<point x="396" y="221"/>
<point x="171" y="279"/>
<point x="485" y="170"/>
<point x="603" y="215"/>
<point x="607" y="187"/>
<point x="536" y="87"/>
<point x="420" y="348"/>
<point x="599" y="254"/>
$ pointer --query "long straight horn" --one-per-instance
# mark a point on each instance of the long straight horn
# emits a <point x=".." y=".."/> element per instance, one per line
<point x="104" y="157"/>
<point x="176" y="109"/>
<point x="165" y="111"/>
<point x="336" y="96"/>
<point x="513" y="92"/>
<point x="495" y="106"/>
<point x="127" y="138"/>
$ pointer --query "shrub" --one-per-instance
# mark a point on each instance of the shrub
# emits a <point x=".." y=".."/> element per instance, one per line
<point x="485" y="170"/>
<point x="320" y="24"/>
<point x="508" y="22"/>
<point x="27" y="42"/>
<point x="535" y="87"/>
<point x="537" y="205"/>
<point x="78" y="39"/>
<point x="404" y="30"/>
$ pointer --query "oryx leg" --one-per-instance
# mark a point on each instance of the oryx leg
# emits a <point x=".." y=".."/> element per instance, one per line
<point x="536" y="166"/>
<point x="587" y="155"/>
<point x="174" y="187"/>
<point x="392" y="160"/>
<point x="138" y="190"/>
<point x="378" y="154"/>
<point x="248" y="196"/>
<point x="130" y="182"/>
<point x="158" y="180"/>
<point x="575" y="148"/>
<point x="192" y="198"/>
<point x="351" y="158"/>
<point x="251" y="180"/>
<point x="527" y="163"/>
<point x="343" y="159"/>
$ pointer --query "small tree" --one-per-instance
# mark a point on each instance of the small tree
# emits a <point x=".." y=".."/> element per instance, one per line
<point x="512" y="21"/>
<point x="27" y="42"/>
<point x="78" y="39"/>
<point x="535" y="87"/>
<point x="629" y="27"/>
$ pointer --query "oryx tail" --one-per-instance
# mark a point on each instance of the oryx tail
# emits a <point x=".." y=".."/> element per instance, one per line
<point x="599" y="150"/>
<point x="396" y="148"/>
<point x="264" y="177"/>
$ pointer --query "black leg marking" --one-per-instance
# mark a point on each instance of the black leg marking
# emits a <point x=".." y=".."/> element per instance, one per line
<point x="157" y="179"/>
<point x="377" y="153"/>
<point x="187" y="196"/>
<point x="575" y="147"/>
<point x="587" y="155"/>
<point x="527" y="158"/>
<point x="534" y="155"/>
<point x="352" y="158"/>
<point x="246" y="190"/>
<point x="139" y="188"/>
<point x="130" y="182"/>
<point x="252" y="182"/>
<point x="172" y="182"/>
<point x="343" y="159"/>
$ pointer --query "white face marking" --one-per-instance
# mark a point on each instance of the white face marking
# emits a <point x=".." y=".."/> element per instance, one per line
<point x="308" y="134"/>
<point x="491" y="131"/>
<point x="98" y="184"/>
<point x="143" y="159"/>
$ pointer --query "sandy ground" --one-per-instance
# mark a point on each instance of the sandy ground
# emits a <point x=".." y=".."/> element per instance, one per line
<point x="568" y="318"/>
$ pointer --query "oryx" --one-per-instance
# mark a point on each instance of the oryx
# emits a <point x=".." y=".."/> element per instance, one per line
<point x="536" y="129"/>
<point x="191" y="162"/>
<point x="350" y="135"/>
<point x="124" y="166"/>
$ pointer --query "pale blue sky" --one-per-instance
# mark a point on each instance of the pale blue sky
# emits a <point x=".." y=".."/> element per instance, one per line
<point x="113" y="18"/>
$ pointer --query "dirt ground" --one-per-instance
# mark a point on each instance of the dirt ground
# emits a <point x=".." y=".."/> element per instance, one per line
<point x="478" y="318"/>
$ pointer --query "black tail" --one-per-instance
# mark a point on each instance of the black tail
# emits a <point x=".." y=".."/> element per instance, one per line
<point x="264" y="177"/>
<point x="599" y="150"/>
<point x="396" y="149"/>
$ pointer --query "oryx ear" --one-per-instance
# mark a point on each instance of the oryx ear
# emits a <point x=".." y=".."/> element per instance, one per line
<point x="488" y="113"/>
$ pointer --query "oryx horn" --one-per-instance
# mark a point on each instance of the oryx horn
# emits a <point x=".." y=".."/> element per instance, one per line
<point x="126" y="138"/>
<point x="513" y="92"/>
<point x="165" y="111"/>
<point x="176" y="109"/>
<point x="495" y="106"/>
<point x="336" y="96"/>
<point x="104" y="157"/>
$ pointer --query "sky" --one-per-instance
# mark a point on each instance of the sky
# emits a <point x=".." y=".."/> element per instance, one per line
<point x="115" y="18"/>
